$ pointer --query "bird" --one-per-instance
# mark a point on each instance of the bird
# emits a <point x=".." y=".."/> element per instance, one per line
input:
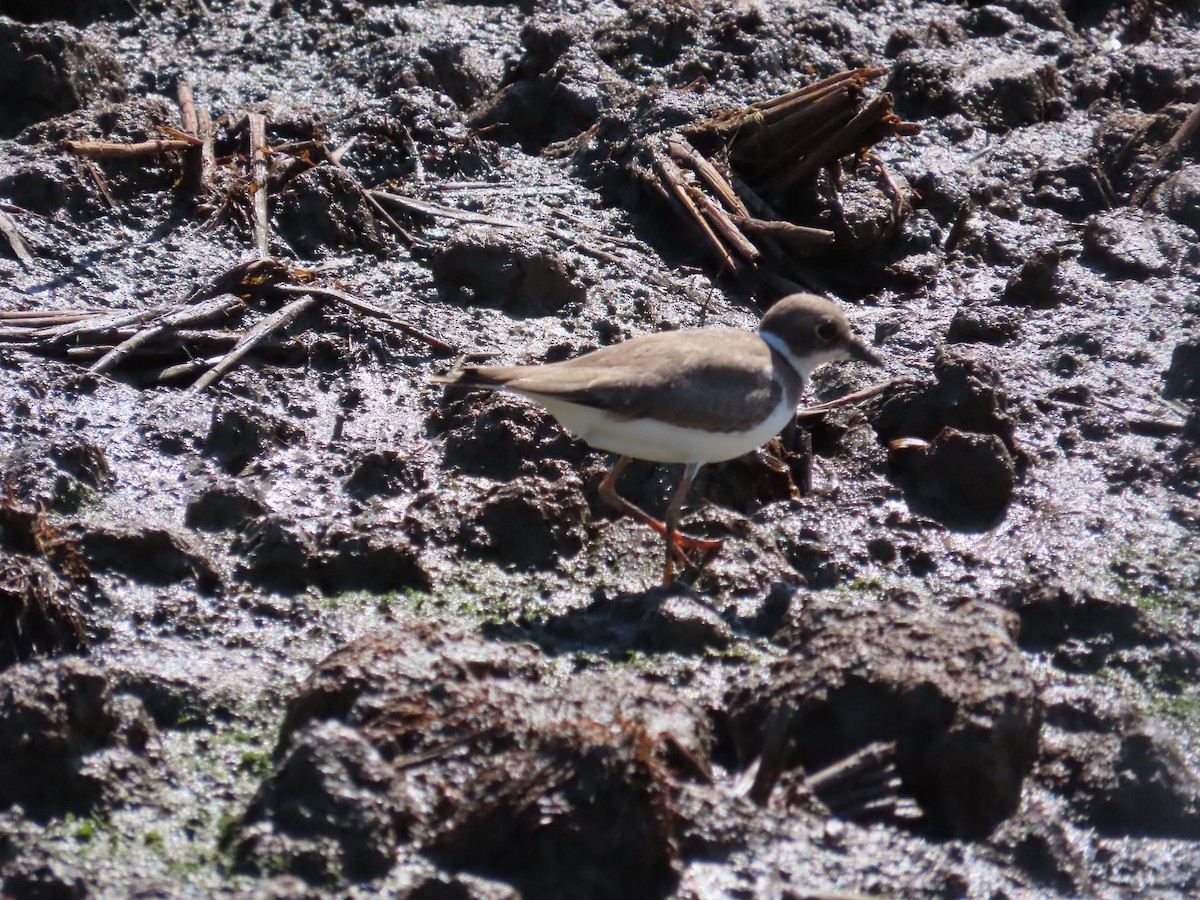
<point x="690" y="397"/>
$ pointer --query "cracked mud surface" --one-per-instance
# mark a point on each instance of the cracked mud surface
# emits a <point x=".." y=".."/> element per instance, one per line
<point x="329" y="630"/>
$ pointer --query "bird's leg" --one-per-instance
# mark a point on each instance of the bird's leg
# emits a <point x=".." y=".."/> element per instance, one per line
<point x="680" y="542"/>
<point x="608" y="493"/>
<point x="671" y="520"/>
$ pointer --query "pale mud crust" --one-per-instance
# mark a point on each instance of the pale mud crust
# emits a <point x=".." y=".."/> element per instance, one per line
<point x="329" y="630"/>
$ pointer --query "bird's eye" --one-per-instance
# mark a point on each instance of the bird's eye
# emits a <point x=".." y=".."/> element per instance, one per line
<point x="827" y="330"/>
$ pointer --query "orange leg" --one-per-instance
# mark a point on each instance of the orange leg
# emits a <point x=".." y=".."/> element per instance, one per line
<point x="675" y="542"/>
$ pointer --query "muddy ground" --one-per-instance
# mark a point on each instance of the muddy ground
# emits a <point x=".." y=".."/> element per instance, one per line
<point x="325" y="629"/>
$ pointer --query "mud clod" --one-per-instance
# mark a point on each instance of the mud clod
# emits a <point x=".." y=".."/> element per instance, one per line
<point x="222" y="506"/>
<point x="1038" y="283"/>
<point x="964" y="480"/>
<point x="965" y="727"/>
<point x="44" y="582"/>
<point x="467" y="752"/>
<point x="238" y="435"/>
<point x="1128" y="243"/>
<point x="153" y="555"/>
<point x="983" y="324"/>
<point x="530" y="523"/>
<point x="1179" y="197"/>
<point x="677" y="621"/>
<point x="383" y="473"/>
<point x="60" y="733"/>
<point x="1019" y="90"/>
<point x="49" y="70"/>
<point x="485" y="268"/>
<point x="1125" y="774"/>
<point x="277" y="555"/>
<point x="332" y="810"/>
<point x="968" y="395"/>
<point x="361" y="558"/>
<point x="553" y="93"/>
<point x="500" y="437"/>
<point x="322" y="210"/>
<point x="1183" y="376"/>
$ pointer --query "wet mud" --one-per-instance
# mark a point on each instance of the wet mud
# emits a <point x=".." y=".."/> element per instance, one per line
<point x="281" y="618"/>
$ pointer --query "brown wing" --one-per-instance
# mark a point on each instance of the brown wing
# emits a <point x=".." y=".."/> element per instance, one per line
<point x="691" y="379"/>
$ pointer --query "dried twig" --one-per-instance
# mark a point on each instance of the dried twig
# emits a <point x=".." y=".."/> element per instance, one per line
<point x="142" y="150"/>
<point x="959" y="229"/>
<point x="875" y="390"/>
<point x="370" y="310"/>
<point x="97" y="177"/>
<point x="280" y="319"/>
<point x="198" y="161"/>
<point x="684" y="153"/>
<point x="187" y="108"/>
<point x="99" y="328"/>
<point x="863" y="784"/>
<point x="186" y="315"/>
<point x="777" y="746"/>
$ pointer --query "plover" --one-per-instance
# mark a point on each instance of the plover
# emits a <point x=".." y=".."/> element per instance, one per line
<point x="692" y="397"/>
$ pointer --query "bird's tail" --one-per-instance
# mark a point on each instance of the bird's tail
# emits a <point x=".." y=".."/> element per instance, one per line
<point x="472" y="376"/>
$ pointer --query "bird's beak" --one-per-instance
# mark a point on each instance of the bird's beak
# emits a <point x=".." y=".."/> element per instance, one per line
<point x="858" y="350"/>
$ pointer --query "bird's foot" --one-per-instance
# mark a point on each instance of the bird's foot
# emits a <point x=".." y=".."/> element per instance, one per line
<point x="704" y="545"/>
<point x="692" y="553"/>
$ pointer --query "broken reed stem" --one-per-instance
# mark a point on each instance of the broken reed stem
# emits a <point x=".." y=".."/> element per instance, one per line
<point x="40" y="318"/>
<point x="168" y="322"/>
<point x="256" y="335"/>
<point x="91" y="328"/>
<point x="671" y="174"/>
<point x="792" y="135"/>
<point x="777" y="746"/>
<point x="724" y="226"/>
<point x="183" y="370"/>
<point x="846" y="139"/>
<point x="208" y="157"/>
<point x="8" y="226"/>
<point x="109" y="150"/>
<point x="684" y="152"/>
<point x="859" y="77"/>
<point x="799" y="237"/>
<point x="871" y="764"/>
<point x="97" y="177"/>
<point x="959" y="229"/>
<point x="257" y="132"/>
<point x="187" y="108"/>
<point x="168" y="343"/>
<point x="198" y="161"/>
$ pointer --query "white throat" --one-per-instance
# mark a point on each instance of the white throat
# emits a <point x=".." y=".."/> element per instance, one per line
<point x="802" y="366"/>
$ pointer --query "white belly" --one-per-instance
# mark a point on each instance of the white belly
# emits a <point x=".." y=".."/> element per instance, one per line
<point x="659" y="442"/>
